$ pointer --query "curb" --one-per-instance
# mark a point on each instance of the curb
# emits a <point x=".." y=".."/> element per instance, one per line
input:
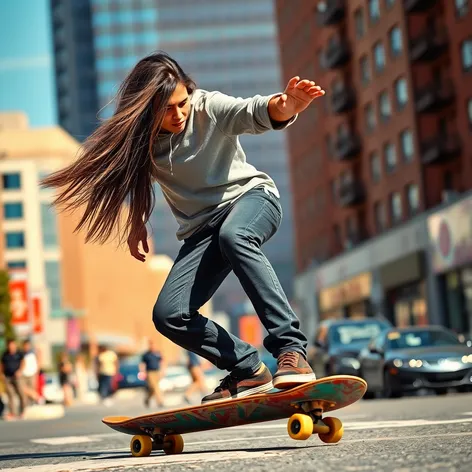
<point x="44" y="412"/>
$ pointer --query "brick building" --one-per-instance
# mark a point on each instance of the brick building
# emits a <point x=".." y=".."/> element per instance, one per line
<point x="392" y="137"/>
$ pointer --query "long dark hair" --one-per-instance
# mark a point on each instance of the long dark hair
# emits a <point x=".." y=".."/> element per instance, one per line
<point x="116" y="162"/>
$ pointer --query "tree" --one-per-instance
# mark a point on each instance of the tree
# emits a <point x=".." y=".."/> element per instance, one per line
<point x="5" y="312"/>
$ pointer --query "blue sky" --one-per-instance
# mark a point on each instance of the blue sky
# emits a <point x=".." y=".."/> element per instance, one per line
<point x="26" y="61"/>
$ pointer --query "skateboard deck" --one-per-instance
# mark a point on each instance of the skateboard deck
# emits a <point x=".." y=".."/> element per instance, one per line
<point x="304" y="405"/>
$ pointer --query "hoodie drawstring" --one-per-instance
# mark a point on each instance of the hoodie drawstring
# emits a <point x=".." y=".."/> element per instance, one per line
<point x="170" y="154"/>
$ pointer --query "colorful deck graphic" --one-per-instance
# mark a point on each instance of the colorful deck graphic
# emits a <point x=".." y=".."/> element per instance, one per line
<point x="335" y="392"/>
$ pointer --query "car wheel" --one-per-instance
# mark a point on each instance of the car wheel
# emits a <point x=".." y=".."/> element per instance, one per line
<point x="388" y="390"/>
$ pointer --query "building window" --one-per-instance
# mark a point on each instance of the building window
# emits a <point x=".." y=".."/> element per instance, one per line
<point x="13" y="210"/>
<point x="12" y="181"/>
<point x="53" y="282"/>
<point x="359" y="22"/>
<point x="370" y="118"/>
<point x="379" y="57"/>
<point x="374" y="11"/>
<point x="380" y="217"/>
<point x="389" y="3"/>
<point x="413" y="199"/>
<point x="462" y="8"/>
<point x="49" y="226"/>
<point x="395" y="41"/>
<point x="365" y="69"/>
<point x="375" y="167"/>
<point x="467" y="55"/>
<point x="401" y="93"/>
<point x="406" y="141"/>
<point x="390" y="156"/>
<point x="385" y="108"/>
<point x="396" y="212"/>
<point x="15" y="240"/>
<point x="16" y="264"/>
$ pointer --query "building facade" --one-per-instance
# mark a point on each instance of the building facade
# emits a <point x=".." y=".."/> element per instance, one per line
<point x="390" y="140"/>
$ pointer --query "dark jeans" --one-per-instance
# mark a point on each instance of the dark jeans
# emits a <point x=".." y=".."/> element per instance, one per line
<point x="104" y="385"/>
<point x="204" y="261"/>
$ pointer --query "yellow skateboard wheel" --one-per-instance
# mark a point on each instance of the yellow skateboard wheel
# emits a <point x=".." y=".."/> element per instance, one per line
<point x="300" y="426"/>
<point x="173" y="444"/>
<point x="336" y="430"/>
<point x="141" y="446"/>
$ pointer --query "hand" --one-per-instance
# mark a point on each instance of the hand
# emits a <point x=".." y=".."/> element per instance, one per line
<point x="136" y="237"/>
<point x="296" y="97"/>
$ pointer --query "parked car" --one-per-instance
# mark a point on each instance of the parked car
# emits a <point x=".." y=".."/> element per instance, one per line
<point x="408" y="359"/>
<point x="338" y="343"/>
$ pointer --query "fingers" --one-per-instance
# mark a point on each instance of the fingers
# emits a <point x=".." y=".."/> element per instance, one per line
<point x="293" y="82"/>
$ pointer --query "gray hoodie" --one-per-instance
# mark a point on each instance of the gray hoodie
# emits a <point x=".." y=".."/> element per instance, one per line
<point x="203" y="169"/>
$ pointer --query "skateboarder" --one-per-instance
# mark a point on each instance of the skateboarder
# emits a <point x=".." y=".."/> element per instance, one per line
<point x="167" y="130"/>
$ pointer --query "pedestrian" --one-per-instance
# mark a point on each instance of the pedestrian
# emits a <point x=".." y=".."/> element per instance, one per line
<point x="152" y="366"/>
<point x="198" y="377"/>
<point x="65" y="377"/>
<point x="81" y="376"/>
<point x="30" y="373"/>
<point x="165" y="129"/>
<point x="107" y="368"/>
<point x="11" y="372"/>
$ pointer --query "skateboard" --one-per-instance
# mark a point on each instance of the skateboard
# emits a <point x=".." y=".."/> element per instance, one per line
<point x="304" y="405"/>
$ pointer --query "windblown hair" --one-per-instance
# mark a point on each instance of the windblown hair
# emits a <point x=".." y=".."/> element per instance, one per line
<point x="116" y="162"/>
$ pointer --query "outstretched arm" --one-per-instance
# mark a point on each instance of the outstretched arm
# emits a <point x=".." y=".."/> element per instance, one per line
<point x="255" y="115"/>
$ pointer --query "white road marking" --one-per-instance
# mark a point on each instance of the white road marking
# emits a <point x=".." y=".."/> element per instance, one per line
<point x="201" y="457"/>
<point x="62" y="440"/>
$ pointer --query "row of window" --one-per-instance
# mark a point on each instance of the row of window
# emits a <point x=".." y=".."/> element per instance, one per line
<point x="384" y="105"/>
<point x="395" y="207"/>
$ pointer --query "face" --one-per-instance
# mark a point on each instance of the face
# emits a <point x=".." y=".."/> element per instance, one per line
<point x="12" y="347"/>
<point x="177" y="110"/>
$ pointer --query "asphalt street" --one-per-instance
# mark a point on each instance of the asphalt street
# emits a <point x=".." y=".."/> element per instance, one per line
<point x="418" y="433"/>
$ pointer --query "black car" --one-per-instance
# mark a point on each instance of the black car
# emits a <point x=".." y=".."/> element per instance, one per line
<point x="338" y="343"/>
<point x="409" y="359"/>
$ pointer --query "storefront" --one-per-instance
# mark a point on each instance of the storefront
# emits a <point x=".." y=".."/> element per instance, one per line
<point x="348" y="299"/>
<point x="450" y="231"/>
<point x="404" y="286"/>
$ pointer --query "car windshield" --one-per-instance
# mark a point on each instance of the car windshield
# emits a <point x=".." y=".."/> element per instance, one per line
<point x="418" y="339"/>
<point x="355" y="333"/>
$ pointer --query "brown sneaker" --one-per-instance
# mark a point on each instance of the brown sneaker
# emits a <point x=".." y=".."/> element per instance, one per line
<point x="233" y="387"/>
<point x="292" y="370"/>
